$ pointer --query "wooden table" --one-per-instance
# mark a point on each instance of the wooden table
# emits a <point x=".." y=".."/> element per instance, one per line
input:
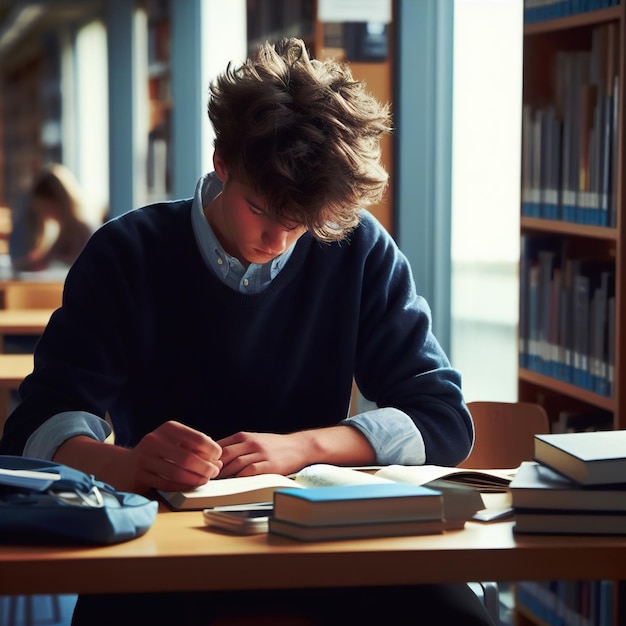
<point x="14" y="368"/>
<point x="180" y="553"/>
<point x="23" y="322"/>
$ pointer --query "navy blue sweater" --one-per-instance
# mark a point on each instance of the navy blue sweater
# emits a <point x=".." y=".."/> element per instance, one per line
<point x="149" y="333"/>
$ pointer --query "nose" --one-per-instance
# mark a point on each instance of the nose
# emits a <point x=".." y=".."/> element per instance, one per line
<point x="275" y="238"/>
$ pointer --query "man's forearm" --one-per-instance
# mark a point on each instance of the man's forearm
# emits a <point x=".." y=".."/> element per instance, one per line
<point x="108" y="463"/>
<point x="337" y="445"/>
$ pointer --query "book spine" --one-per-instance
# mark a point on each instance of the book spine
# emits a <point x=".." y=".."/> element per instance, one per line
<point x="569" y="145"/>
<point x="567" y="603"/>
<point x="567" y="315"/>
<point x="544" y="10"/>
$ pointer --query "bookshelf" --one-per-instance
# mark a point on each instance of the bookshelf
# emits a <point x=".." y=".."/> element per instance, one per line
<point x="572" y="349"/>
<point x="23" y="122"/>
<point x="572" y="206"/>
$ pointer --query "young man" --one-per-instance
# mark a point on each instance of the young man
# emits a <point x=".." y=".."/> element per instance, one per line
<point x="222" y="333"/>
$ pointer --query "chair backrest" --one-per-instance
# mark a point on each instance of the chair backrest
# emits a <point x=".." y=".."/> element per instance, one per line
<point x="504" y="433"/>
<point x="33" y="295"/>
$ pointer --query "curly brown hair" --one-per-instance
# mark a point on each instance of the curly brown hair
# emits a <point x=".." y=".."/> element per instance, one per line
<point x="303" y="135"/>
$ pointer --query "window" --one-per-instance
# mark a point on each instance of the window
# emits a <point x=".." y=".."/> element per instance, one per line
<point x="485" y="195"/>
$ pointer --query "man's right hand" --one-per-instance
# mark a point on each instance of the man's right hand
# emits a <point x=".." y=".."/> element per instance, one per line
<point x="173" y="457"/>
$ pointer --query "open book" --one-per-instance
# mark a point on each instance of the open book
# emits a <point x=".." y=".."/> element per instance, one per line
<point x="253" y="489"/>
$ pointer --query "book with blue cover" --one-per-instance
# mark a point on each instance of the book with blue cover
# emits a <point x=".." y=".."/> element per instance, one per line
<point x="358" y="504"/>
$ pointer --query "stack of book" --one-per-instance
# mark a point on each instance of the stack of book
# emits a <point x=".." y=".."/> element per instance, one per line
<point x="575" y="485"/>
<point x="354" y="511"/>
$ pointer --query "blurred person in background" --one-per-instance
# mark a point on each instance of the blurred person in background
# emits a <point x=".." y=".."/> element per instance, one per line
<point x="52" y="228"/>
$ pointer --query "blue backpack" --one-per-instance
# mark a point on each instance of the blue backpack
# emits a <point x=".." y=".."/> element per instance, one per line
<point x="43" y="501"/>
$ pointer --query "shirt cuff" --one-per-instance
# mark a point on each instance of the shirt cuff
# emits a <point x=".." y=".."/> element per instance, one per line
<point x="45" y="441"/>
<point x="393" y="435"/>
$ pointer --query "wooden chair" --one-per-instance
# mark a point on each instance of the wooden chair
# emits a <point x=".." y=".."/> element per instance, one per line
<point x="504" y="437"/>
<point x="504" y="433"/>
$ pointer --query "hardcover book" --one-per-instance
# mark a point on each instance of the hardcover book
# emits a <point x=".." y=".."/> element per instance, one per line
<point x="569" y="523"/>
<point x="252" y="489"/>
<point x="228" y="491"/>
<point x="303" y="532"/>
<point x="589" y="458"/>
<point x="357" y="504"/>
<point x="536" y="486"/>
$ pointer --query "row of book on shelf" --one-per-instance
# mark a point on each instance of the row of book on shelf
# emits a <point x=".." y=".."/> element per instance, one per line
<point x="567" y="314"/>
<point x="542" y="10"/>
<point x="569" y="143"/>
<point x="564" y="603"/>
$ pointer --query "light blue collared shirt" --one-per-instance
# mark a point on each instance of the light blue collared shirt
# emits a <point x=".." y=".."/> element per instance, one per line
<point x="391" y="432"/>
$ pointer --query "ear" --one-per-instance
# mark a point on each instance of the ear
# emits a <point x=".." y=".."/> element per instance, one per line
<point x="220" y="167"/>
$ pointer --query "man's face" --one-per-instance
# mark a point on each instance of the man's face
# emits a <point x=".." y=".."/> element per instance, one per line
<point x="244" y="229"/>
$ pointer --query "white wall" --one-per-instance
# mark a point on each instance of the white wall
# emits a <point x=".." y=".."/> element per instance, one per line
<point x="224" y="25"/>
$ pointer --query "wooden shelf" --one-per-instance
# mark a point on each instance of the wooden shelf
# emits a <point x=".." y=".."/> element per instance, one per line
<point x="588" y="18"/>
<point x="553" y="384"/>
<point x="569" y="228"/>
<point x="554" y="51"/>
<point x="545" y="46"/>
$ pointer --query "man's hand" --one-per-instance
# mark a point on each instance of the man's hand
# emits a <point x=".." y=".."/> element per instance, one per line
<point x="248" y="454"/>
<point x="174" y="457"/>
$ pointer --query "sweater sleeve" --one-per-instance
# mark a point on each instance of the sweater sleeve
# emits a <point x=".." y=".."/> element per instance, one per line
<point x="400" y="363"/>
<point x="97" y="312"/>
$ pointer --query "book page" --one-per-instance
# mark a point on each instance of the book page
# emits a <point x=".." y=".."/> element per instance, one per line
<point x="323" y="475"/>
<point x="422" y="474"/>
<point x="227" y="486"/>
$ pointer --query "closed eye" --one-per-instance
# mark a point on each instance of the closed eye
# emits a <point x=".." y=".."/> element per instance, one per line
<point x="256" y="211"/>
